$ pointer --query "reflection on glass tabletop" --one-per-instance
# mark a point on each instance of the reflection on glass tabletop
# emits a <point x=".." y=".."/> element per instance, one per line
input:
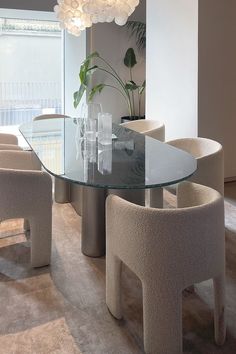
<point x="132" y="160"/>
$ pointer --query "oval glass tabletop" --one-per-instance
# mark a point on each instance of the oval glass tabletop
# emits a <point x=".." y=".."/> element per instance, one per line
<point x="131" y="161"/>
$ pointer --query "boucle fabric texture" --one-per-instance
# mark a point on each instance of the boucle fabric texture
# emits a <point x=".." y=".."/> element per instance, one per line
<point x="8" y="139"/>
<point x="148" y="127"/>
<point x="50" y="116"/>
<point x="169" y="250"/>
<point x="210" y="161"/>
<point x="10" y="147"/>
<point x="26" y="193"/>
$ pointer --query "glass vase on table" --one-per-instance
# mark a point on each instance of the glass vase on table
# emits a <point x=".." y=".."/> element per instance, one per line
<point x="104" y="128"/>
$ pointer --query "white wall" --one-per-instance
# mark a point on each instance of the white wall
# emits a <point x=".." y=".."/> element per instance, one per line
<point x="172" y="65"/>
<point x="217" y="76"/>
<point x="112" y="41"/>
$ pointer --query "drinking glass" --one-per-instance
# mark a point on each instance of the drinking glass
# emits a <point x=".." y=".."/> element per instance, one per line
<point x="105" y="159"/>
<point x="105" y="128"/>
<point x="89" y="111"/>
<point x="91" y="129"/>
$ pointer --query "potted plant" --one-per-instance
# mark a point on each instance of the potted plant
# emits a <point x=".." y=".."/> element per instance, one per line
<point x="128" y="89"/>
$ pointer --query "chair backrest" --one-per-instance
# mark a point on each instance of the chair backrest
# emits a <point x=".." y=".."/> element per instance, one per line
<point x="49" y="116"/>
<point x="185" y="245"/>
<point x="151" y="128"/>
<point x="10" y="147"/>
<point x="19" y="160"/>
<point x="8" y="139"/>
<point x="210" y="160"/>
<point x="198" y="147"/>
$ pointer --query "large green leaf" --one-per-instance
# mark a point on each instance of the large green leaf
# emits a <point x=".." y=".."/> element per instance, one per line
<point x="131" y="85"/>
<point x="85" y="66"/>
<point x="130" y="58"/>
<point x="96" y="89"/>
<point x="78" y="95"/>
<point x="85" y="77"/>
<point x="88" y="75"/>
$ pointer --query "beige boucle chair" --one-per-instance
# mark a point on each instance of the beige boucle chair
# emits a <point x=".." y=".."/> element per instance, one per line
<point x="8" y="139"/>
<point x="169" y="250"/>
<point x="50" y="116"/>
<point x="148" y="127"/>
<point x="61" y="187"/>
<point x="10" y="147"/>
<point x="210" y="161"/>
<point x="9" y="142"/>
<point x="26" y="192"/>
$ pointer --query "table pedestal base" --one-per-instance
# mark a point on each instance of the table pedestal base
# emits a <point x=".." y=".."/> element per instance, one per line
<point x="156" y="198"/>
<point x="93" y="222"/>
<point x="93" y="239"/>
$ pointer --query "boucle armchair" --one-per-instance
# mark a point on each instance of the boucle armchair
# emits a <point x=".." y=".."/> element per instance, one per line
<point x="152" y="128"/>
<point x="61" y="187"/>
<point x="8" y="139"/>
<point x="210" y="161"/>
<point x="169" y="250"/>
<point x="9" y="142"/>
<point x="50" y="116"/>
<point x="10" y="147"/>
<point x="27" y="193"/>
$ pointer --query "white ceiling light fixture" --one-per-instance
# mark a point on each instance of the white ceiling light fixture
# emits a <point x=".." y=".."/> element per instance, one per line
<point x="76" y="15"/>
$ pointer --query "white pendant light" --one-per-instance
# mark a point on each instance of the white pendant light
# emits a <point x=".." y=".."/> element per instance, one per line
<point x="76" y="15"/>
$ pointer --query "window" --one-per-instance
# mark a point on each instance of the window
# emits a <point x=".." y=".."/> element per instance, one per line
<point x="30" y="66"/>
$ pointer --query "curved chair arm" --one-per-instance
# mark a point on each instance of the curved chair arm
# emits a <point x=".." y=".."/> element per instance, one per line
<point x="191" y="195"/>
<point x="19" y="160"/>
<point x="8" y="139"/>
<point x="10" y="147"/>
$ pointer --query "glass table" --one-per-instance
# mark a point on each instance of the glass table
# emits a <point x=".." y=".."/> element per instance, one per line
<point x="131" y="164"/>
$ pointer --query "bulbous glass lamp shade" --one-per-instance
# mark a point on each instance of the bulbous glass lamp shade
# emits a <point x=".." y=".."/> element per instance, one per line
<point x="76" y="15"/>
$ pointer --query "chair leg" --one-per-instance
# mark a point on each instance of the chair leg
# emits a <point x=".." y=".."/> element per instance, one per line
<point x="41" y="239"/>
<point x="219" y="312"/>
<point x="113" y="285"/>
<point x="162" y="317"/>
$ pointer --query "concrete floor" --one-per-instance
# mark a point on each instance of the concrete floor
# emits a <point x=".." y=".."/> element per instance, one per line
<point x="61" y="309"/>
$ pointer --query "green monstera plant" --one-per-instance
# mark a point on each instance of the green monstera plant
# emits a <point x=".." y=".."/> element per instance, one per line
<point x="128" y="89"/>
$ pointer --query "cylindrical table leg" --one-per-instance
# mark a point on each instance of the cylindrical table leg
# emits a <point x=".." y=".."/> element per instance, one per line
<point x="93" y="242"/>
<point x="61" y="191"/>
<point x="156" y="197"/>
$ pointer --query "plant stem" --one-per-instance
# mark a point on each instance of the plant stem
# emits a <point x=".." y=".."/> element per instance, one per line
<point x="126" y="95"/>
<point x="121" y="83"/>
<point x="139" y="105"/>
<point x="132" y="93"/>
<point x="114" y="71"/>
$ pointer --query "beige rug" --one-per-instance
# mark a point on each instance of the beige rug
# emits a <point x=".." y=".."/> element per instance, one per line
<point x="53" y="337"/>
